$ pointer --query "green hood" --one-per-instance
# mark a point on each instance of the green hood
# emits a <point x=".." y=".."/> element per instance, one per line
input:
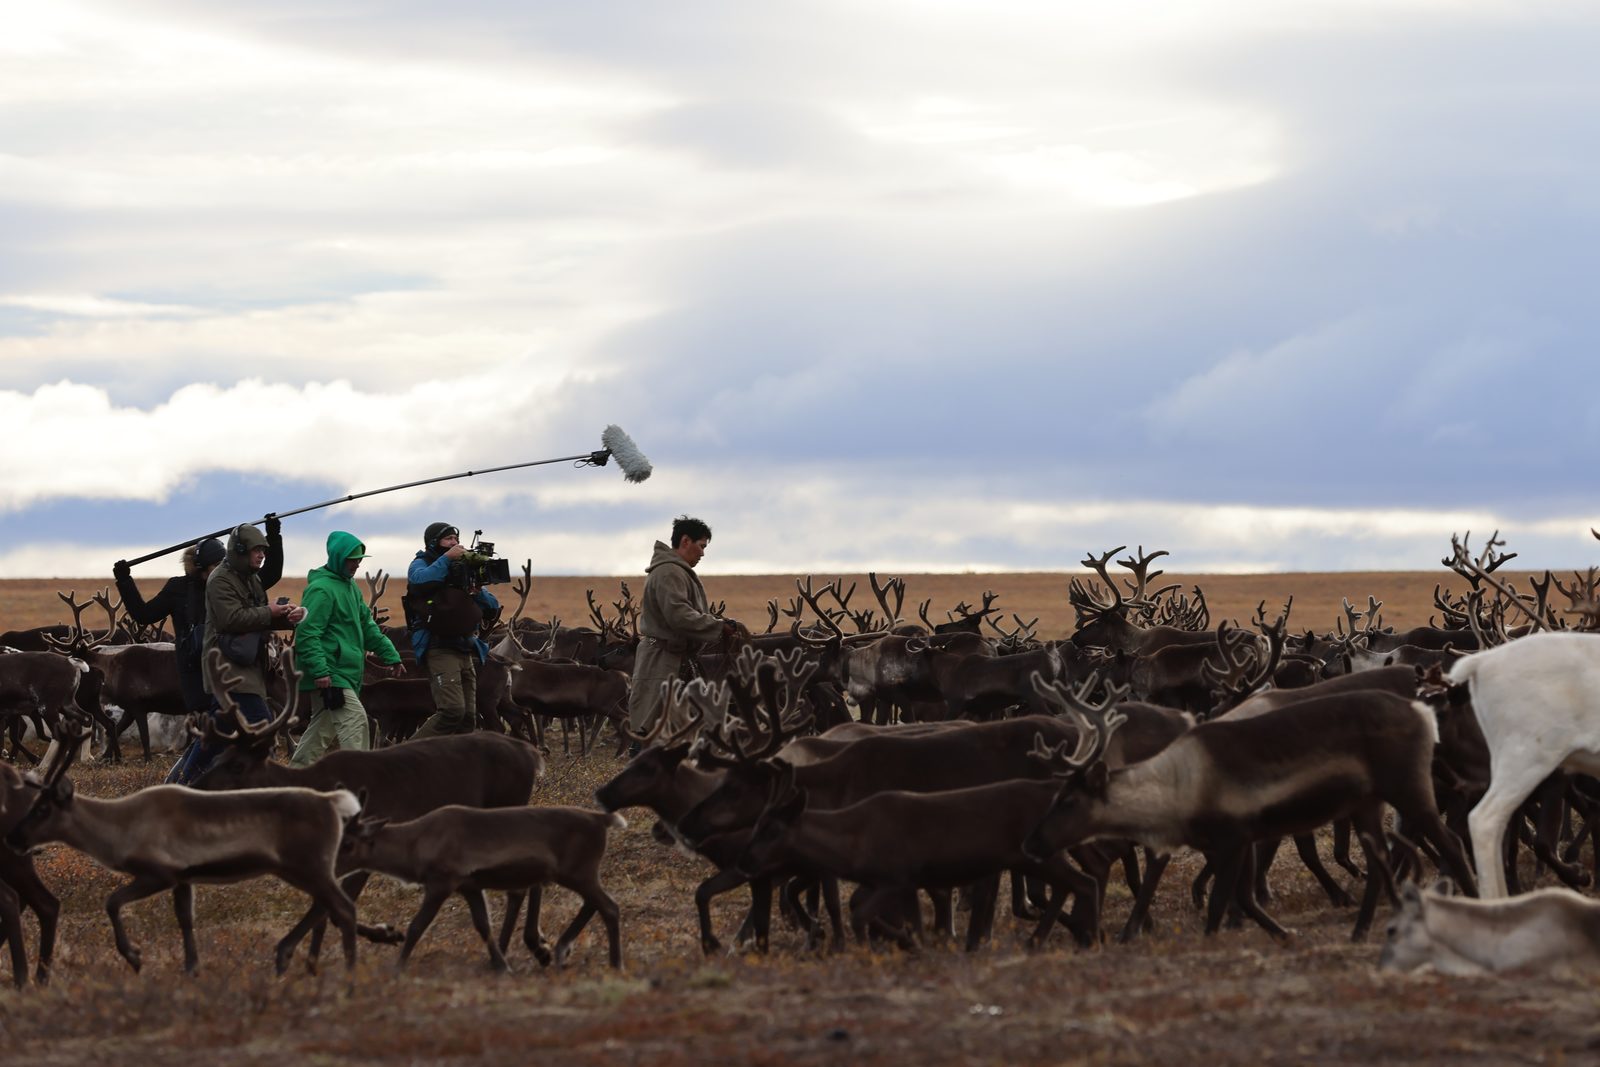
<point x="341" y="546"/>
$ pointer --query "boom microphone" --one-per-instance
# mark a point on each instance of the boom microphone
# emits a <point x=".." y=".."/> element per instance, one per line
<point x="634" y="466"/>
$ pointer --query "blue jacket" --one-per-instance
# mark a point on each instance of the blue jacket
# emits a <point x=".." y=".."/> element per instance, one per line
<point x="421" y="572"/>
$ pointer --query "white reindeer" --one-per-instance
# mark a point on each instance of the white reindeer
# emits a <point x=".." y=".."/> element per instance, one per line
<point x="1548" y="928"/>
<point x="1537" y="700"/>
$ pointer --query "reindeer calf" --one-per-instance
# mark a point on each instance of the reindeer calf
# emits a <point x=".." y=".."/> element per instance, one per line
<point x="466" y="850"/>
<point x="1455" y="935"/>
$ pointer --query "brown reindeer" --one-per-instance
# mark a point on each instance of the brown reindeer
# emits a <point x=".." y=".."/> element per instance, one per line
<point x="20" y="885"/>
<point x="1227" y="784"/>
<point x="465" y="851"/>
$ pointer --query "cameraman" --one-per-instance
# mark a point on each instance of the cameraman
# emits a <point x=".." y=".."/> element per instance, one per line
<point x="444" y="608"/>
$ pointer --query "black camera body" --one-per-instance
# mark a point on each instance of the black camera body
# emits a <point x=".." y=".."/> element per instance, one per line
<point x="481" y="565"/>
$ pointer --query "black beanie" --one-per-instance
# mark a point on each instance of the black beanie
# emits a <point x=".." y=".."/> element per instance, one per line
<point x="436" y="530"/>
<point x="209" y="552"/>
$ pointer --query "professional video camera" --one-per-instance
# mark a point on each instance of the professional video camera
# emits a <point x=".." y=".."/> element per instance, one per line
<point x="481" y="564"/>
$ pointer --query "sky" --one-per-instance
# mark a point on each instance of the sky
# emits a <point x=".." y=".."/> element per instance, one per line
<point x="909" y="285"/>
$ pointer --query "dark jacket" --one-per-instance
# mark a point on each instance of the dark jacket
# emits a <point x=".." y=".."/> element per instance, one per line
<point x="338" y="629"/>
<point x="430" y="567"/>
<point x="236" y="603"/>
<point x="183" y="600"/>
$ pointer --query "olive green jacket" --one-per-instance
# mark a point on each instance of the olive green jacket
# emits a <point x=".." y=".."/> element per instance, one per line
<point x="236" y="603"/>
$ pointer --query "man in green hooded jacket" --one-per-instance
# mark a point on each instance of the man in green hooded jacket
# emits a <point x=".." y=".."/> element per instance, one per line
<point x="330" y="645"/>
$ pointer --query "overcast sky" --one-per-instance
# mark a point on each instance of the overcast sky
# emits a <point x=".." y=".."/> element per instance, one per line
<point x="931" y="285"/>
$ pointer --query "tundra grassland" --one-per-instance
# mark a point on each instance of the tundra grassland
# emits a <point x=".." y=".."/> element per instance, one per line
<point x="1174" y="996"/>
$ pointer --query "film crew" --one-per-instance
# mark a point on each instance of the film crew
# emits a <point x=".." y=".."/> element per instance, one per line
<point x="446" y="605"/>
<point x="332" y="645"/>
<point x="674" y="620"/>
<point x="182" y="600"/>
<point x="239" y="621"/>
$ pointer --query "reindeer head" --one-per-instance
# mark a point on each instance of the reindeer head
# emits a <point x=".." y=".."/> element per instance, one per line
<point x="35" y="807"/>
<point x="361" y="837"/>
<point x="1084" y="775"/>
<point x="648" y="776"/>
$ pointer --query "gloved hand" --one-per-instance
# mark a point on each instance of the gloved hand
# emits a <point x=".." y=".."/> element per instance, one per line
<point x="121" y="571"/>
<point x="274" y="526"/>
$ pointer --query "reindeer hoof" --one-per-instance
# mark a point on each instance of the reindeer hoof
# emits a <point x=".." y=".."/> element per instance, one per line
<point x="710" y="945"/>
<point x="384" y="934"/>
<point x="134" y="959"/>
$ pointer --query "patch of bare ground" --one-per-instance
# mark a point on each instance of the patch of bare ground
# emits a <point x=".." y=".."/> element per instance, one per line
<point x="1174" y="996"/>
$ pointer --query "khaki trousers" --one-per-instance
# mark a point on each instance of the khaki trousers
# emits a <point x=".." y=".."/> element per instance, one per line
<point x="453" y="681"/>
<point x="345" y="727"/>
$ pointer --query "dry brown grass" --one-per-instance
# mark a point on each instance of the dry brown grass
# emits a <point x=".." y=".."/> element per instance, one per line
<point x="1175" y="997"/>
<point x="1407" y="596"/>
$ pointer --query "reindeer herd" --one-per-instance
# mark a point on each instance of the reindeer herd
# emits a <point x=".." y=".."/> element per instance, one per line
<point x="924" y="764"/>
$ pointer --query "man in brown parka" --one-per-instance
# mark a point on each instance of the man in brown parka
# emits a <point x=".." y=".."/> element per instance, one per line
<point x="673" y="620"/>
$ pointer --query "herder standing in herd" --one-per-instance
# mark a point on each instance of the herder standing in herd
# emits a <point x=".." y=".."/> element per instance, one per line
<point x="674" y="618"/>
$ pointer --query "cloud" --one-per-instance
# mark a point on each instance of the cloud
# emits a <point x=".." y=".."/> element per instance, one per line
<point x="887" y="274"/>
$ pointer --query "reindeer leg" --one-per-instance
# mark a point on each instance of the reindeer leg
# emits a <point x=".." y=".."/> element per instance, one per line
<point x="709" y="889"/>
<point x="1341" y="848"/>
<point x="46" y="908"/>
<point x="1245" y="897"/>
<point x="1198" y="888"/>
<point x="1552" y="797"/>
<point x="508" y="923"/>
<point x="11" y="930"/>
<point x="183" y="908"/>
<point x="1306" y="846"/>
<point x="985" y="896"/>
<point x="1226" y="862"/>
<point x="1139" y="917"/>
<point x="480" y="922"/>
<point x="142" y="886"/>
<point x="1369" y="831"/>
<point x="532" y="935"/>
<point x="595" y="899"/>
<point x="433" y="898"/>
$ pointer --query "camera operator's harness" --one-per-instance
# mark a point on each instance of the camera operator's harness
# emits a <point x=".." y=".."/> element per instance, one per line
<point x="448" y="608"/>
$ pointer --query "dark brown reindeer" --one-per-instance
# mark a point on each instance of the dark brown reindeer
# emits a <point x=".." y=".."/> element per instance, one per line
<point x="42" y="686"/>
<point x="465" y="851"/>
<point x="168" y="838"/>
<point x="1104" y="623"/>
<point x="880" y="671"/>
<point x="663" y="778"/>
<point x="896" y="842"/>
<point x="1225" y="785"/>
<point x="567" y="691"/>
<point x="20" y="885"/>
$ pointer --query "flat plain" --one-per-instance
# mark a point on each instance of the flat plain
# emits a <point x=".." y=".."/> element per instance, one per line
<point x="1173" y="996"/>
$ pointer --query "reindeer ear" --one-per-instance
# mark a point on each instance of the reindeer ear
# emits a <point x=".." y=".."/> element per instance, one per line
<point x="1096" y="777"/>
<point x="1410" y="895"/>
<point x="61" y="792"/>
